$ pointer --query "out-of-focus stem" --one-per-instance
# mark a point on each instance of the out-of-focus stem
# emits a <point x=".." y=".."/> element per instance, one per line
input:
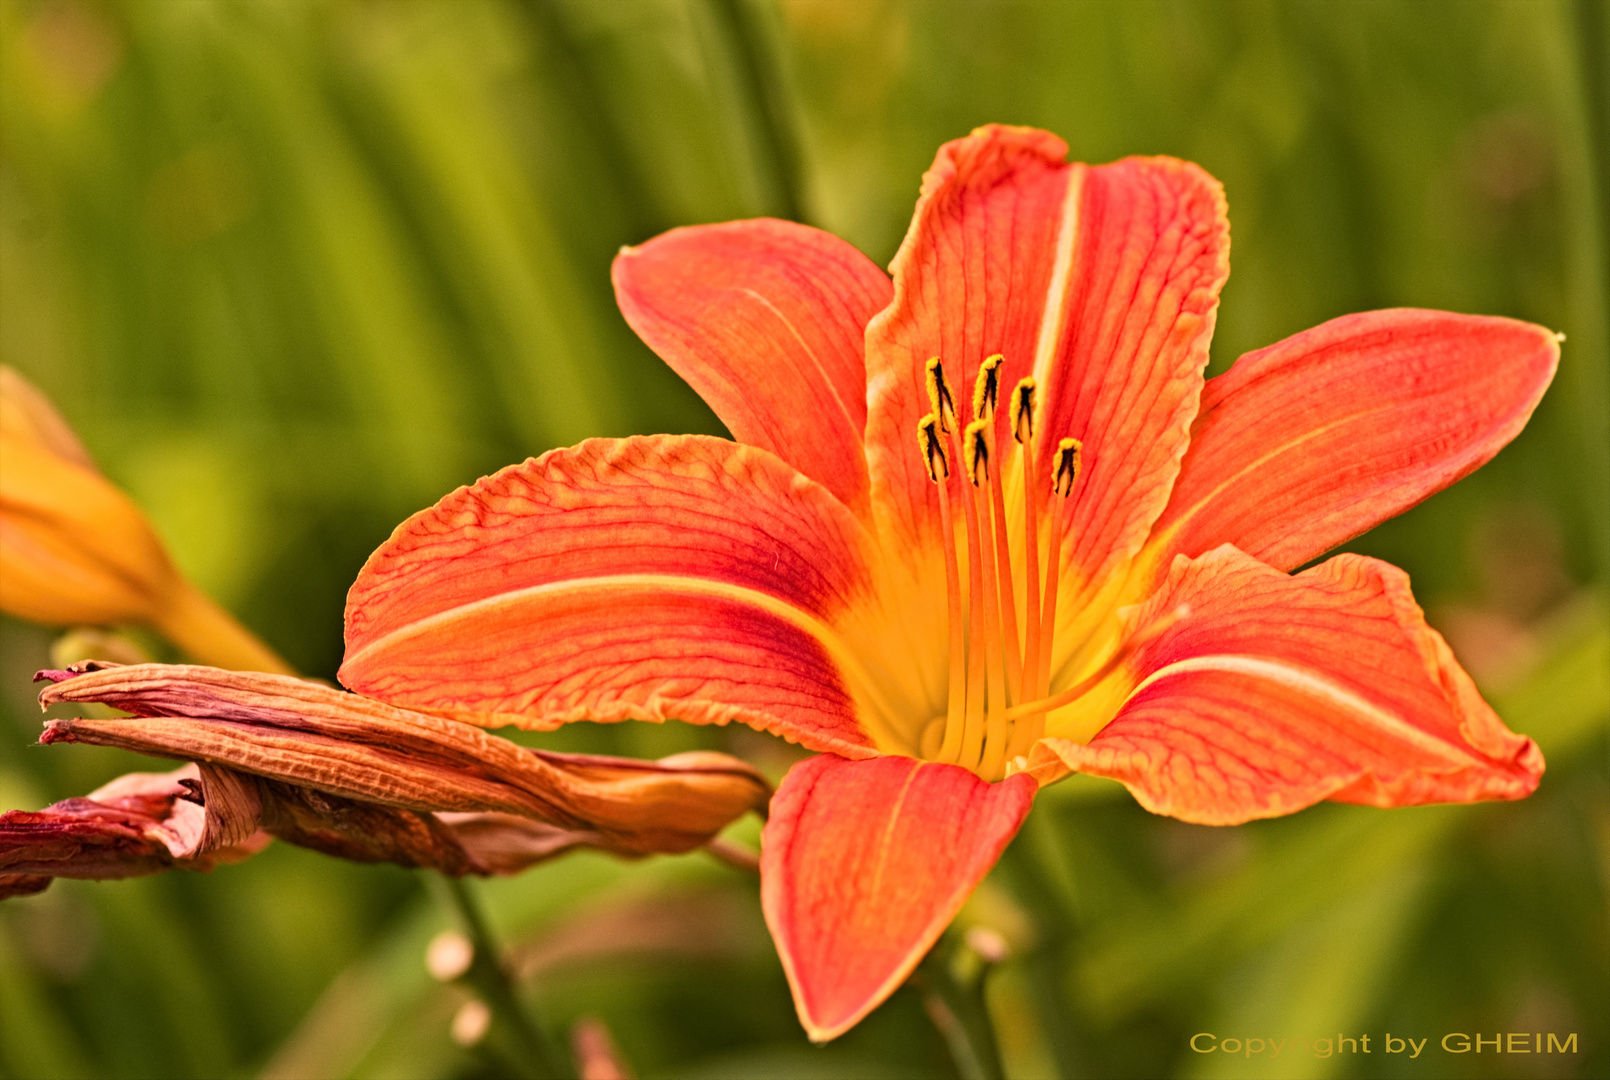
<point x="960" y="1014"/>
<point x="490" y="979"/>
<point x="1048" y="962"/>
<point x="192" y="621"/>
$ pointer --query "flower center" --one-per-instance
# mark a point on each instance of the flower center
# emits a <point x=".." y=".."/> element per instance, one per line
<point x="997" y="698"/>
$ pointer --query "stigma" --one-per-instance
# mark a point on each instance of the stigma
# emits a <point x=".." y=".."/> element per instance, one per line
<point x="1000" y="659"/>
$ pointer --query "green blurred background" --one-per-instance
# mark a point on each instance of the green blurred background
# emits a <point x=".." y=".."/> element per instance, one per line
<point x="295" y="268"/>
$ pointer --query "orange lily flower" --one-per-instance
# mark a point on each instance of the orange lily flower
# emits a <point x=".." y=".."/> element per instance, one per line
<point x="983" y="526"/>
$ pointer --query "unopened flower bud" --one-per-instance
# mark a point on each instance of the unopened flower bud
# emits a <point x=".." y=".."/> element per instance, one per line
<point x="74" y="550"/>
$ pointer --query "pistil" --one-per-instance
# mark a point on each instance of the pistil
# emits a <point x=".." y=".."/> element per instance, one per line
<point x="985" y="395"/>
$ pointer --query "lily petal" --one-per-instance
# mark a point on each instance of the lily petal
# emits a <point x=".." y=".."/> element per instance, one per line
<point x="972" y="278"/>
<point x="1121" y="358"/>
<point x="864" y="864"/>
<point x="1264" y="693"/>
<point x="669" y="577"/>
<point x="1101" y="282"/>
<point x="1307" y="443"/>
<point x="765" y="319"/>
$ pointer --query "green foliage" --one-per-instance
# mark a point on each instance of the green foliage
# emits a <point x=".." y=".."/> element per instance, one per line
<point x="294" y="268"/>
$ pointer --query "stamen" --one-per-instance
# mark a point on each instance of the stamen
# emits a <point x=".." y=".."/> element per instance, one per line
<point x="972" y="725"/>
<point x="1023" y="432"/>
<point x="986" y="396"/>
<point x="994" y="730"/>
<point x="977" y="451"/>
<point x="1067" y="472"/>
<point x="973" y="728"/>
<point x="987" y="387"/>
<point x="939" y="399"/>
<point x="1023" y="411"/>
<point x="1068" y="462"/>
<point x="933" y="452"/>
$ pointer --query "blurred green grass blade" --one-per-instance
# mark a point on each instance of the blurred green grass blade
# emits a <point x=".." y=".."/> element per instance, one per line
<point x="1293" y="880"/>
<point x="1321" y="979"/>
<point x="763" y="102"/>
<point x="652" y="64"/>
<point x="384" y="1015"/>
<point x="365" y="284"/>
<point x="157" y="957"/>
<point x="1580" y="44"/>
<point x="454" y="144"/>
<point x="573" y="82"/>
<point x="792" y="1063"/>
<point x="368" y="1020"/>
<point x="36" y="1040"/>
<point x="1566" y="701"/>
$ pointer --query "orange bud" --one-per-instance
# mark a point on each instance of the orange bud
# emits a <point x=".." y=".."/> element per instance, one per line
<point x="76" y="550"/>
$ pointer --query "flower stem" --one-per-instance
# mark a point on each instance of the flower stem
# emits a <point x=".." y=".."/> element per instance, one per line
<point x="490" y="979"/>
<point x="960" y="1013"/>
<point x="1047" y="964"/>
<point x="191" y="620"/>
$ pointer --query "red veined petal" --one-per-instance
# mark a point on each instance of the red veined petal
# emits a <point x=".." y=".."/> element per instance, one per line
<point x="1101" y="282"/>
<point x="1150" y="253"/>
<point x="1268" y="693"/>
<point x="864" y="864"/>
<point x="970" y="280"/>
<point x="669" y="577"/>
<point x="1307" y="443"/>
<point x="766" y="320"/>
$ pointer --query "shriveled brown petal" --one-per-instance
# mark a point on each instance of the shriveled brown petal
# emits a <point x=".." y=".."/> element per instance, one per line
<point x="143" y="823"/>
<point x="147" y="823"/>
<point x="309" y="736"/>
<point x="23" y="884"/>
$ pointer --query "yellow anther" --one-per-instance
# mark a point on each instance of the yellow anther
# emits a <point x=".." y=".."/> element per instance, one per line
<point x="987" y="387"/>
<point x="933" y="448"/>
<point x="1067" y="466"/>
<point x="1023" y="410"/>
<point x="939" y="399"/>
<point x="977" y="450"/>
